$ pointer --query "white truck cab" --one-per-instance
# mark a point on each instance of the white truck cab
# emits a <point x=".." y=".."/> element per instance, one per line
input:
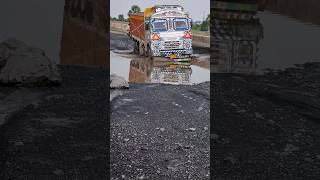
<point x="168" y="31"/>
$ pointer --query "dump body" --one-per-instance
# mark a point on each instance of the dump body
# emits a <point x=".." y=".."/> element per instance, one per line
<point x="163" y="31"/>
<point x="136" y="26"/>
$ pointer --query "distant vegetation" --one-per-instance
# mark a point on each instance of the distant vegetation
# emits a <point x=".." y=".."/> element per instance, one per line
<point x="134" y="9"/>
<point x="119" y="18"/>
<point x="204" y="26"/>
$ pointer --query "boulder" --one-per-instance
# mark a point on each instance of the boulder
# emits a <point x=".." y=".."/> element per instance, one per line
<point x="22" y="64"/>
<point x="118" y="82"/>
<point x="4" y="54"/>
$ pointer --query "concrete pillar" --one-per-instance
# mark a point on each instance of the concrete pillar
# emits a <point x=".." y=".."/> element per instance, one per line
<point x="84" y="38"/>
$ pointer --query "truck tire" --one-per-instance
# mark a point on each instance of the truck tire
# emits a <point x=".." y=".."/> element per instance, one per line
<point x="142" y="50"/>
<point x="136" y="48"/>
<point x="149" y="53"/>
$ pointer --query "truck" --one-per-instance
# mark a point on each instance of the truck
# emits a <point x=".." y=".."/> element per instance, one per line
<point x="236" y="32"/>
<point x="161" y="31"/>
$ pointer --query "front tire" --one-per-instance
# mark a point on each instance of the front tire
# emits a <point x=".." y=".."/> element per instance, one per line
<point x="136" y="48"/>
<point x="149" y="52"/>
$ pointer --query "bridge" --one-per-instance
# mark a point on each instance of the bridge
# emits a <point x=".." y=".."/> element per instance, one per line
<point x="302" y="10"/>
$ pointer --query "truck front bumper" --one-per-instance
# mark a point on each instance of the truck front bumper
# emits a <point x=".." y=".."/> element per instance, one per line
<point x="178" y="52"/>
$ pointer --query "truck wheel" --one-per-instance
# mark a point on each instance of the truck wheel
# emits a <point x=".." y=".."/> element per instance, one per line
<point x="142" y="50"/>
<point x="149" y="53"/>
<point x="136" y="48"/>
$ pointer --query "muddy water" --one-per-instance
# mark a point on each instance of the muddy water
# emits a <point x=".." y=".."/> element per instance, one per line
<point x="287" y="41"/>
<point x="137" y="69"/>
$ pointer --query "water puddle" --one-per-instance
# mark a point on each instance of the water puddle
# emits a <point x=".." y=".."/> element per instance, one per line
<point x="137" y="69"/>
<point x="287" y="41"/>
<point x="269" y="41"/>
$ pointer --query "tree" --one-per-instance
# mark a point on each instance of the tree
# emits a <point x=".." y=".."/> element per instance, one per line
<point x="120" y="17"/>
<point x="135" y="9"/>
<point x="208" y="19"/>
<point x="205" y="24"/>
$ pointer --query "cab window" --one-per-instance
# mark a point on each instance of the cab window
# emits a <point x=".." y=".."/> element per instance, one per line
<point x="160" y="25"/>
<point x="180" y="24"/>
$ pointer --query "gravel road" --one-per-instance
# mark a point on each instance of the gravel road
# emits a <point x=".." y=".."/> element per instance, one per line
<point x="60" y="135"/>
<point x="266" y="127"/>
<point x="160" y="132"/>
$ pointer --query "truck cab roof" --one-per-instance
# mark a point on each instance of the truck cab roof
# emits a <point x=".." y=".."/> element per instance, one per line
<point x="168" y="7"/>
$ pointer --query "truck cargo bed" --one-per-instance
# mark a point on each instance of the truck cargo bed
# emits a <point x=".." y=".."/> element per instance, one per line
<point x="136" y="21"/>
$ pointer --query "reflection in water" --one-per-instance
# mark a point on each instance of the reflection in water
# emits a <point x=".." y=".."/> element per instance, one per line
<point x="287" y="42"/>
<point x="157" y="70"/>
<point x="235" y="38"/>
<point x="248" y="40"/>
<point x="160" y="71"/>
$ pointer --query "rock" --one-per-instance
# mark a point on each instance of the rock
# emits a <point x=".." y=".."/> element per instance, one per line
<point x="241" y="111"/>
<point x="162" y="129"/>
<point x="19" y="143"/>
<point x="118" y="82"/>
<point x="291" y="148"/>
<point x="214" y="136"/>
<point x="87" y="158"/>
<point x="230" y="159"/>
<point x="308" y="159"/>
<point x="233" y="104"/>
<point x="4" y="54"/>
<point x="125" y="139"/>
<point x="225" y="141"/>
<point x="13" y="44"/>
<point x="191" y="129"/>
<point x="58" y="172"/>
<point x="114" y="94"/>
<point x="173" y="164"/>
<point x="22" y="64"/>
<point x="271" y="122"/>
<point x="259" y="116"/>
<point x="142" y="177"/>
<point x="200" y="109"/>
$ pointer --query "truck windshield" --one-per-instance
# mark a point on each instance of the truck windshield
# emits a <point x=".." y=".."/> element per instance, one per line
<point x="160" y="25"/>
<point x="180" y="24"/>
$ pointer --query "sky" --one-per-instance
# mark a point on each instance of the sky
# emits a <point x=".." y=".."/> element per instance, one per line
<point x="36" y="22"/>
<point x="197" y="9"/>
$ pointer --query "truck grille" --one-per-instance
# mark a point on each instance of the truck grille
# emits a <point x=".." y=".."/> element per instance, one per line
<point x="171" y="44"/>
